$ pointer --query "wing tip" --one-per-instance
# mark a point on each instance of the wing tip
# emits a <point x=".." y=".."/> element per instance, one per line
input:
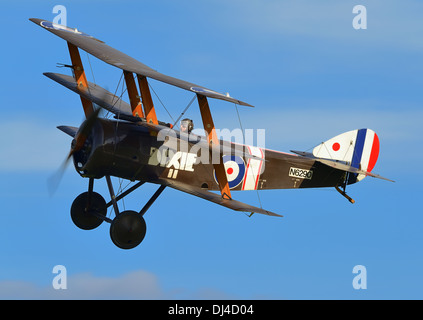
<point x="272" y="214"/>
<point x="71" y="131"/>
<point x="36" y="20"/>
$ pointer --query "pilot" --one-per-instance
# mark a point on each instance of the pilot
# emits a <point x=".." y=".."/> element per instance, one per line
<point x="187" y="125"/>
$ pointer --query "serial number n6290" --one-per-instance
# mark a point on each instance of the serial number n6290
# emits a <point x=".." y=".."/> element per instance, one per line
<point x="300" y="173"/>
<point x="231" y="309"/>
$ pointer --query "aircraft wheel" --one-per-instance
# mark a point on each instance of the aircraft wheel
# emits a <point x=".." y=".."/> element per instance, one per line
<point x="82" y="216"/>
<point x="128" y="229"/>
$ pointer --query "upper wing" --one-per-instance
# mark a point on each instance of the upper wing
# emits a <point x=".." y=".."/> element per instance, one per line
<point x="120" y="60"/>
<point x="216" y="198"/>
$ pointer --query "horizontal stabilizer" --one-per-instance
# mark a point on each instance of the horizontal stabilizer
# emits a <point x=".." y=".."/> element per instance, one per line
<point x="216" y="198"/>
<point x="120" y="60"/>
<point x="336" y="164"/>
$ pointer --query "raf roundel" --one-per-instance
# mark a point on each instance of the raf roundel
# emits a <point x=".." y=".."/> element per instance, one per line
<point x="235" y="170"/>
<point x="55" y="26"/>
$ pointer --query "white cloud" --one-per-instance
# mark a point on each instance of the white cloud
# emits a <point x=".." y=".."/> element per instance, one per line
<point x="138" y="284"/>
<point x="28" y="146"/>
<point x="388" y="23"/>
<point x="134" y="285"/>
<point x="31" y="146"/>
<point x="317" y="121"/>
<point x="318" y="125"/>
<point x="302" y="127"/>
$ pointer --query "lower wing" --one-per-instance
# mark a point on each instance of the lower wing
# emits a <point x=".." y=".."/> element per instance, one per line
<point x="216" y="198"/>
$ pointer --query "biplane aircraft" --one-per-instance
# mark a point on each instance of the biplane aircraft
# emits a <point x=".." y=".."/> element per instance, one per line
<point x="138" y="147"/>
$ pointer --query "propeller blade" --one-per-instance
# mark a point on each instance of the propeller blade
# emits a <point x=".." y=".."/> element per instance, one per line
<point x="54" y="180"/>
<point x="84" y="131"/>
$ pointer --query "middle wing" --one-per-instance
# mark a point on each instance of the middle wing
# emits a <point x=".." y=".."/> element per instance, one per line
<point x="122" y="110"/>
<point x="94" y="93"/>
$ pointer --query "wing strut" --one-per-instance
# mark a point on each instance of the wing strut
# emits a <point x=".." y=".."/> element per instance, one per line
<point x="134" y="97"/>
<point x="80" y="77"/>
<point x="214" y="141"/>
<point x="147" y="101"/>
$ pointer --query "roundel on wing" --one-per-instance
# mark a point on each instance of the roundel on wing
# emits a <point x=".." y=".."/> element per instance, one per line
<point x="235" y="170"/>
<point x="56" y="26"/>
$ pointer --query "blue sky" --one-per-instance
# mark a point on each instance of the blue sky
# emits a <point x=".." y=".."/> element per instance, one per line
<point x="311" y="76"/>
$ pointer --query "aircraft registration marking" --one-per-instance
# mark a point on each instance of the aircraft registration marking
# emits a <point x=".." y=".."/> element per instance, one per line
<point x="300" y="173"/>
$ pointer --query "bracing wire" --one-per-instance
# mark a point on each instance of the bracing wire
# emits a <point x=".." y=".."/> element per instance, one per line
<point x="160" y="101"/>
<point x="185" y="110"/>
<point x="89" y="62"/>
<point x="242" y="130"/>
<point x="182" y="113"/>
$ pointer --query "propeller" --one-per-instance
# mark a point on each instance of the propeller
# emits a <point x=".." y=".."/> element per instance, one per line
<point x="79" y="141"/>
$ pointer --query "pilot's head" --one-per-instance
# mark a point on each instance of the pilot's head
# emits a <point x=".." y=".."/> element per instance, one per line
<point x="187" y="125"/>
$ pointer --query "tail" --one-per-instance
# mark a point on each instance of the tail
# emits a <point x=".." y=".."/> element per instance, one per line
<point x="357" y="148"/>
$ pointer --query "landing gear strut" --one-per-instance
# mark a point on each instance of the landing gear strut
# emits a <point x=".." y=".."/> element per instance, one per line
<point x="127" y="229"/>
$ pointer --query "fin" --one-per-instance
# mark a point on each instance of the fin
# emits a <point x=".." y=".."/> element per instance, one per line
<point x="357" y="148"/>
<point x="354" y="151"/>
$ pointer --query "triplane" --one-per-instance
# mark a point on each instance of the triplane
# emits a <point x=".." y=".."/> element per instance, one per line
<point x="138" y="147"/>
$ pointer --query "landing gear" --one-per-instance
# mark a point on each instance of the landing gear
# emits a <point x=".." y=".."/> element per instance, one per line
<point x="343" y="193"/>
<point x="127" y="229"/>
<point x="87" y="212"/>
<point x="344" y="188"/>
